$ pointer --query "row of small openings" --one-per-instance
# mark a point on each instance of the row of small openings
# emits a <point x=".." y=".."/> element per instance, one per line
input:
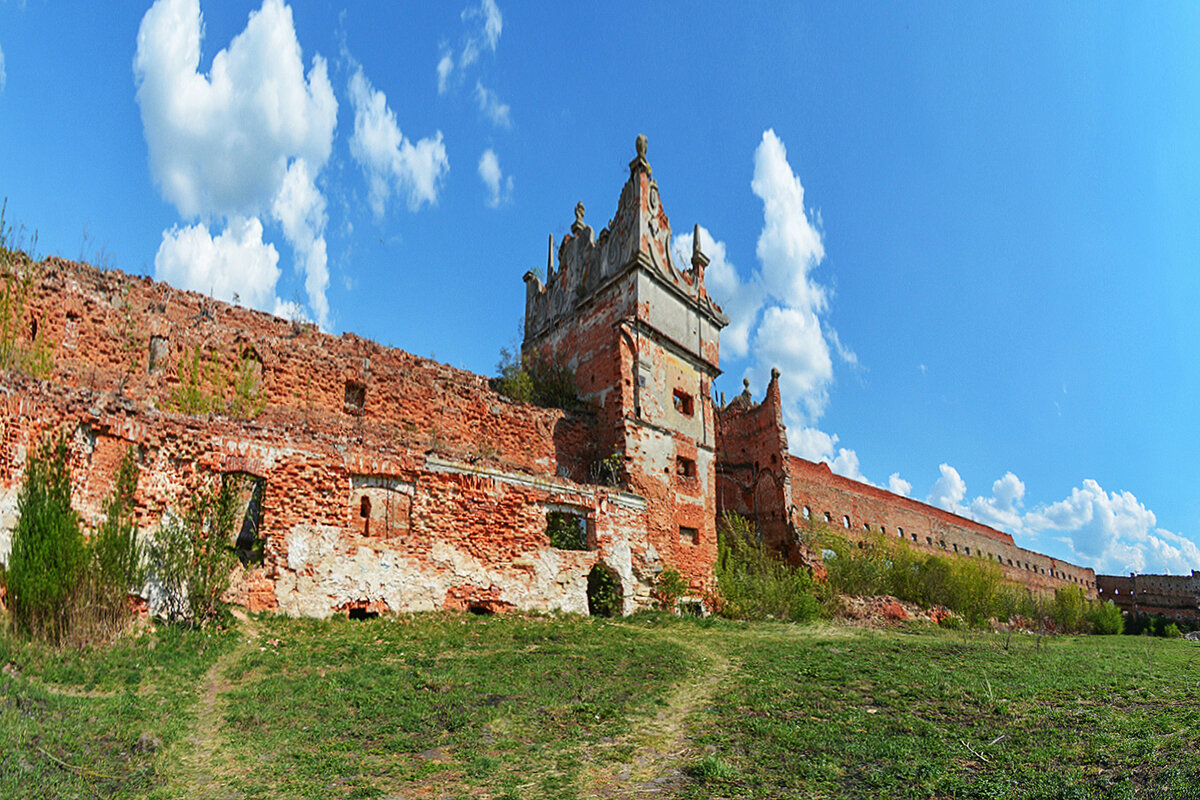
<point x="966" y="550"/>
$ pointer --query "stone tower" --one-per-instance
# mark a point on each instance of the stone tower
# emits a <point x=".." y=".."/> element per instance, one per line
<point x="642" y="336"/>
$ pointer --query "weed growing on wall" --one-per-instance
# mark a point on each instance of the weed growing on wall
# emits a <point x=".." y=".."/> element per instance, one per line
<point x="753" y="583"/>
<point x="192" y="555"/>
<point x="206" y="385"/>
<point x="48" y="554"/>
<point x="533" y="379"/>
<point x="24" y="345"/>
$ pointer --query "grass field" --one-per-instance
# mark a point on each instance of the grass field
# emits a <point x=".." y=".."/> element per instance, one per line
<point x="455" y="706"/>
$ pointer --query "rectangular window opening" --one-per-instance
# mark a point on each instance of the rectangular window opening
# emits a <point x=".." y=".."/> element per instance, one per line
<point x="356" y="397"/>
<point x="567" y="531"/>
<point x="685" y="467"/>
<point x="689" y="535"/>
<point x="683" y="403"/>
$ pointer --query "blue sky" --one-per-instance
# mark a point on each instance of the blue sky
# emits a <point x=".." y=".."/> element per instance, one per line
<point x="967" y="234"/>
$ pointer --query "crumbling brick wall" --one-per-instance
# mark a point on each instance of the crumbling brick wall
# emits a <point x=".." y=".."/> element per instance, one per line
<point x="458" y="479"/>
<point x="1176" y="597"/>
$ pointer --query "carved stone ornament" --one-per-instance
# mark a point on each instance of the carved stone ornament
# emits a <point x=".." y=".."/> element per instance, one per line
<point x="578" y="225"/>
<point x="639" y="164"/>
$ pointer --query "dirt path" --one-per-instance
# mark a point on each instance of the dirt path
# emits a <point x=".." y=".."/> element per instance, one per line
<point x="662" y="744"/>
<point x="200" y="772"/>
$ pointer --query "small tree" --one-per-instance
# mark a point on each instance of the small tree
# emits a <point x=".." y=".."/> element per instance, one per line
<point x="117" y="563"/>
<point x="48" y="554"/>
<point x="1106" y="619"/>
<point x="192" y="556"/>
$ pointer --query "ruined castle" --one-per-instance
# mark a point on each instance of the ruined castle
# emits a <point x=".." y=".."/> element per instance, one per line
<point x="382" y="481"/>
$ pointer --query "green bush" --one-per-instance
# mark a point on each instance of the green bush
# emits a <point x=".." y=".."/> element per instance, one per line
<point x="753" y="583"/>
<point x="529" y="378"/>
<point x="1105" y="618"/>
<point x="669" y="587"/>
<point x="192" y="555"/>
<point x="116" y="555"/>
<point x="48" y="554"/>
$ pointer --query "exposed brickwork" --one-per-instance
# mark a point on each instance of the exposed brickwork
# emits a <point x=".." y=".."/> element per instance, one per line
<point x="786" y="494"/>
<point x="642" y="337"/>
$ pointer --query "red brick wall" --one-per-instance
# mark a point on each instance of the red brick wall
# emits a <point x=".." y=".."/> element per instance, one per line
<point x="856" y="507"/>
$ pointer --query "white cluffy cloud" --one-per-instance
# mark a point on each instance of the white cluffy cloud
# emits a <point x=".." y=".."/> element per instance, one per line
<point x="1111" y="532"/>
<point x="897" y="485"/>
<point x="777" y="316"/>
<point x="499" y="187"/>
<point x="389" y="160"/>
<point x="3" y="73"/>
<point x="246" y="140"/>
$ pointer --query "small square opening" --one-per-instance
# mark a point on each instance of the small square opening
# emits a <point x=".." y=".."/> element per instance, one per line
<point x="685" y="467"/>
<point x="356" y="397"/>
<point x="689" y="535"/>
<point x="684" y="403"/>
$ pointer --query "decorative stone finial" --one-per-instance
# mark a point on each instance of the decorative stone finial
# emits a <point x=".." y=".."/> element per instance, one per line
<point x="699" y="260"/>
<point x="639" y="164"/>
<point x="550" y="259"/>
<point x="774" y="373"/>
<point x="578" y="225"/>
<point x="746" y="384"/>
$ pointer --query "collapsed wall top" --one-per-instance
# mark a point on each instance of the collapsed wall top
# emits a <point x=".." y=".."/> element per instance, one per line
<point x="638" y="235"/>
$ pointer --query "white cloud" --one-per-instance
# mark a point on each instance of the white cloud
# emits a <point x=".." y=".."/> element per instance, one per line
<point x="491" y="107"/>
<point x="235" y="263"/>
<point x="845" y="463"/>
<point x="897" y="485"/>
<point x="811" y="443"/>
<point x="1001" y="510"/>
<point x="948" y="490"/>
<point x="3" y="73"/>
<point x="1111" y="532"/>
<point x="239" y="141"/>
<point x="444" y="68"/>
<point x="499" y="187"/>
<point x="388" y="160"/>
<point x="484" y="25"/>
<point x="789" y="247"/>
<point x="300" y="209"/>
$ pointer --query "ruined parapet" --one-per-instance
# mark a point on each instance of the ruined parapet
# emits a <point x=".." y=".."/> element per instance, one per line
<point x="1175" y="597"/>
<point x="638" y="235"/>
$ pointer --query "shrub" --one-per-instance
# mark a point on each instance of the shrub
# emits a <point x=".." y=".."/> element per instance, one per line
<point x="753" y="583"/>
<point x="48" y="554"/>
<point x="1068" y="609"/>
<point x="529" y="378"/>
<point x="1106" y="619"/>
<point x="117" y="557"/>
<point x="669" y="587"/>
<point x="566" y="531"/>
<point x="192" y="556"/>
<point x="603" y="593"/>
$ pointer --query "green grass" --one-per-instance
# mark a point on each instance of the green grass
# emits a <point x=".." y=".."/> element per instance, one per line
<point x="530" y="707"/>
<point x="70" y="721"/>
<point x="924" y="713"/>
